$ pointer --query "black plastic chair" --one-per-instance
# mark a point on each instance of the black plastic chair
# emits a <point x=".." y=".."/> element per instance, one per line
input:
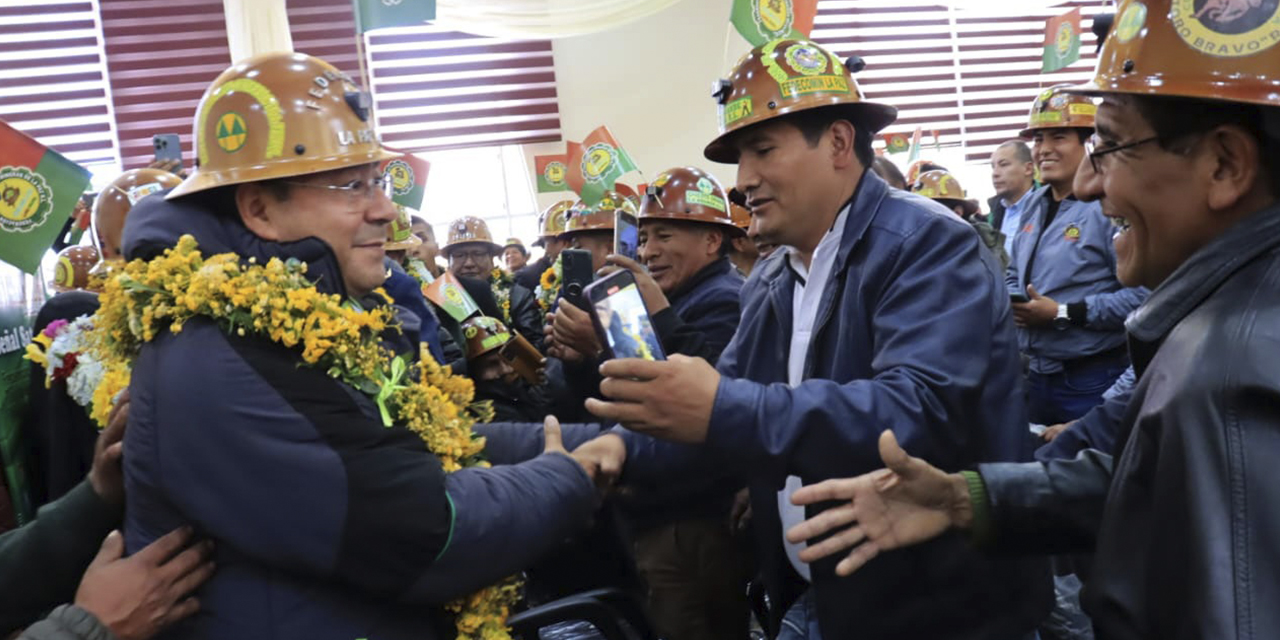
<point x="613" y="612"/>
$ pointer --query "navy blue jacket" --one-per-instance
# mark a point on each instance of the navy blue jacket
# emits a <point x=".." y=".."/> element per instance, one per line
<point x="406" y="292"/>
<point x="913" y="334"/>
<point x="326" y="524"/>
<point x="1097" y="429"/>
<point x="704" y="313"/>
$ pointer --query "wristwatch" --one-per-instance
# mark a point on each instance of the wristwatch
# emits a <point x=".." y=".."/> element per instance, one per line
<point x="1061" y="321"/>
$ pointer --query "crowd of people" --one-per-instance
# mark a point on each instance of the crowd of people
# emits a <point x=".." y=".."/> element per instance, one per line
<point x="882" y="412"/>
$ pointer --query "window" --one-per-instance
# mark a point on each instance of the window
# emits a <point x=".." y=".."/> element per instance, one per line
<point x="970" y="75"/>
<point x="490" y="183"/>
<point x="53" y="79"/>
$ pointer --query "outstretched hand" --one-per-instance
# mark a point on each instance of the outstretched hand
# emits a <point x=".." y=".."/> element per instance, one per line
<point x="907" y="503"/>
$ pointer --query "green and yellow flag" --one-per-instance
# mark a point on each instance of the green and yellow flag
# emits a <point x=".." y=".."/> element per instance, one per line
<point x="447" y="293"/>
<point x="1061" y="41"/>
<point x="378" y="14"/>
<point x="760" y="21"/>
<point x="597" y="164"/>
<point x="38" y="190"/>
<point x="408" y="176"/>
<point x="551" y="172"/>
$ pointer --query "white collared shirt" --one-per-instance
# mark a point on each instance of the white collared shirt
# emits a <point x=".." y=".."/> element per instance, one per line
<point x="810" y="283"/>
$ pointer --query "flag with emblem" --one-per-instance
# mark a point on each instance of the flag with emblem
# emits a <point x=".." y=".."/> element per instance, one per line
<point x="915" y="146"/>
<point x="408" y="176"/>
<point x="597" y="164"/>
<point x="1061" y="41"/>
<point x="896" y="142"/>
<point x="551" y="172"/>
<point x="379" y="14"/>
<point x="760" y="21"/>
<point x="39" y="188"/>
<point x="447" y="293"/>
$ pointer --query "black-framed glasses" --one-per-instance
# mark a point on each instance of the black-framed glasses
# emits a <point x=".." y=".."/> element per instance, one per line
<point x="1097" y="157"/>
<point x="358" y="190"/>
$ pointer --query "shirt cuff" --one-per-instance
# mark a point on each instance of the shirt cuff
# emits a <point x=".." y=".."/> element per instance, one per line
<point x="980" y="530"/>
<point x="1078" y="313"/>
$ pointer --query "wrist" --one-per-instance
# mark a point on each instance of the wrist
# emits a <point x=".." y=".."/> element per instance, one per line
<point x="960" y="509"/>
<point x="1078" y="313"/>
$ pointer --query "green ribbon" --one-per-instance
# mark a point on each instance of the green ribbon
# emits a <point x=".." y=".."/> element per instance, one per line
<point x="388" y="385"/>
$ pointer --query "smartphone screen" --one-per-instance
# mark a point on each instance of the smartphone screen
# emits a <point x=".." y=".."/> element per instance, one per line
<point x="621" y="319"/>
<point x="626" y="235"/>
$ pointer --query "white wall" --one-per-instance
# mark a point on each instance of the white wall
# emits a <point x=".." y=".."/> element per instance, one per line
<point x="650" y="83"/>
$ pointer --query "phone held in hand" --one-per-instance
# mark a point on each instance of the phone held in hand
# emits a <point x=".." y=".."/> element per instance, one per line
<point x="168" y="147"/>
<point x="1019" y="298"/>
<point x="575" y="268"/>
<point x="621" y="319"/>
<point x="626" y="234"/>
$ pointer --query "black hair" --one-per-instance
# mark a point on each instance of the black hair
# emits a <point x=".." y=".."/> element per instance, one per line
<point x="1175" y="120"/>
<point x="813" y="123"/>
<point x="885" y="168"/>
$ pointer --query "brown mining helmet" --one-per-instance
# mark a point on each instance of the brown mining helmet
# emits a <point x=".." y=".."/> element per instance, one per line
<point x="112" y="206"/>
<point x="944" y="188"/>
<point x="789" y="76"/>
<point x="687" y="194"/>
<point x="1054" y="108"/>
<point x="470" y="230"/>
<point x="74" y="264"/>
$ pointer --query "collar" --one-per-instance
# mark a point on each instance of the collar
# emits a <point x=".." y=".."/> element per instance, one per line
<point x="717" y="267"/>
<point x="861" y="210"/>
<point x="830" y="240"/>
<point x="1021" y="201"/>
<point x="1197" y="278"/>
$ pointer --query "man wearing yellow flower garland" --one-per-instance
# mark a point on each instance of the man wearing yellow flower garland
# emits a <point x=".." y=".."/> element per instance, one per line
<point x="281" y="409"/>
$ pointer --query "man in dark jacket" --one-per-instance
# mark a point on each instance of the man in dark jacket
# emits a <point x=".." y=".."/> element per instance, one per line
<point x="550" y="226"/>
<point x="328" y="524"/>
<point x="882" y="310"/>
<point x="471" y="251"/>
<point x="1182" y="520"/>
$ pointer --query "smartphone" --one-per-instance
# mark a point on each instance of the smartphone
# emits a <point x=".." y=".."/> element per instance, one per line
<point x="525" y="358"/>
<point x="168" y="147"/>
<point x="1019" y="298"/>
<point x="576" y="269"/>
<point x="621" y="319"/>
<point x="626" y="234"/>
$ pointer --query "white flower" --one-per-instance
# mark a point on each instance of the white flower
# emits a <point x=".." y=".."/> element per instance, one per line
<point x="81" y="383"/>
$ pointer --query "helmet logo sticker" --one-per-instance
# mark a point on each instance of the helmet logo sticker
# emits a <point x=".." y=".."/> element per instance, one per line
<point x="401" y="175"/>
<point x="141" y="191"/>
<point x="232" y="132"/>
<point x="735" y="111"/>
<point x="1059" y="101"/>
<point x="1227" y="28"/>
<point x="472" y="332"/>
<point x="772" y="18"/>
<point x="554" y="173"/>
<point x="1063" y="41"/>
<point x="705" y="196"/>
<point x="1131" y="22"/>
<point x="807" y="59"/>
<point x="1072" y="234"/>
<point x="1082" y="109"/>
<point x="791" y="86"/>
<point x="25" y="200"/>
<point x="270" y="109"/>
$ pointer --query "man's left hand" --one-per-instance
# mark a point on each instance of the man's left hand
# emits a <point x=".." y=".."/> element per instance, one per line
<point x="671" y="400"/>
<point x="1038" y="312"/>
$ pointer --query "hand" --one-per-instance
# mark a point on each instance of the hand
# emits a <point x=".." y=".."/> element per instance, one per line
<point x="650" y="292"/>
<point x="608" y="453"/>
<point x="172" y="166"/>
<point x="908" y="503"/>
<point x="1038" y="312"/>
<point x="671" y="400"/>
<point x="740" y="512"/>
<point x="1052" y="432"/>
<point x="106" y="475"/>
<point x="555" y="444"/>
<point x="138" y="596"/>
<point x="571" y="327"/>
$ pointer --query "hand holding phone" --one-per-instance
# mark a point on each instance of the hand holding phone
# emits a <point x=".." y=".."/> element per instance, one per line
<point x="621" y="319"/>
<point x="575" y="268"/>
<point x="168" y="148"/>
<point x="626" y="234"/>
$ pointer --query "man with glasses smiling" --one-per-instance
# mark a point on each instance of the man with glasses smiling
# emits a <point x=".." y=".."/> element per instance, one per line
<point x="1183" y="520"/>
<point x="470" y="251"/>
<point x="328" y="523"/>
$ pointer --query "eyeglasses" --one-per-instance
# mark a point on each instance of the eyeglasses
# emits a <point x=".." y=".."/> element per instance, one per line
<point x="1098" y="157"/>
<point x="474" y="255"/>
<point x="358" y="190"/>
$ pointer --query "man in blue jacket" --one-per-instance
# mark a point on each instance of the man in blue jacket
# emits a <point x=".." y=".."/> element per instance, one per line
<point x="1071" y="320"/>
<point x="883" y="311"/>
<point x="327" y="524"/>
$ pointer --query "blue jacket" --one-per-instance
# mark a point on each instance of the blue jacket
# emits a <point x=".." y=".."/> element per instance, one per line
<point x="1097" y="429"/>
<point x="704" y="313"/>
<point x="1075" y="262"/>
<point x="407" y="293"/>
<point x="326" y="523"/>
<point x="914" y="335"/>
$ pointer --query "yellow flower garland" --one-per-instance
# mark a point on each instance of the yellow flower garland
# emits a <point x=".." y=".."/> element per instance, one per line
<point x="276" y="301"/>
<point x="500" y="282"/>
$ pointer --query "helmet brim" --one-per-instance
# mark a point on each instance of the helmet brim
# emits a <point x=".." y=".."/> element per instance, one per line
<point x="872" y="115"/>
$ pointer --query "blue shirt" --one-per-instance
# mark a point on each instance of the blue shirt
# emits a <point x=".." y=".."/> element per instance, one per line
<point x="1013" y="219"/>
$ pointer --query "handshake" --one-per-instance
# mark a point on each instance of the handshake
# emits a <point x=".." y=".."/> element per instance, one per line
<point x="601" y="458"/>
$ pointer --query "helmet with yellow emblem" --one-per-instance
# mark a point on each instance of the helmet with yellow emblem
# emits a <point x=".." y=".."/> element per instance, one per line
<point x="116" y="200"/>
<point x="687" y="194"/>
<point x="1054" y="108"/>
<point x="467" y="231"/>
<point x="583" y="218"/>
<point x="73" y="267"/>
<point x="943" y="187"/>
<point x="551" y="222"/>
<point x="280" y="115"/>
<point x="400" y="235"/>
<point x="788" y="76"/>
<point x="484" y="334"/>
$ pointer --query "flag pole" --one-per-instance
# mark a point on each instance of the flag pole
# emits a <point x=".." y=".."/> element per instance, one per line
<point x="366" y="80"/>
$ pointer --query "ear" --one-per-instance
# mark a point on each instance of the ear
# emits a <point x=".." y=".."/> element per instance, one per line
<point x="713" y="237"/>
<point x="255" y="206"/>
<point x="841" y="137"/>
<point x="1234" y="156"/>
